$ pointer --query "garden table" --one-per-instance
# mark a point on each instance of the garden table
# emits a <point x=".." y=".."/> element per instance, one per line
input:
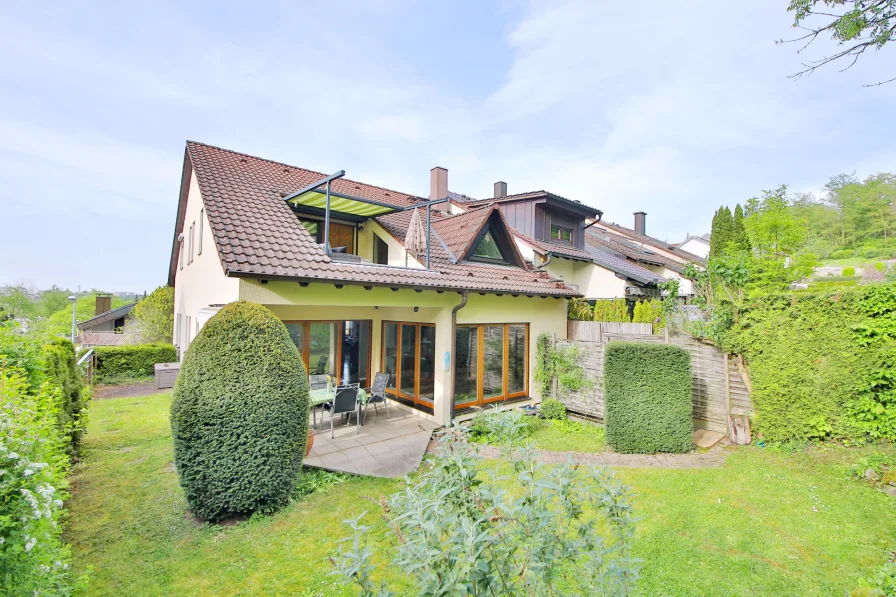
<point x="328" y="394"/>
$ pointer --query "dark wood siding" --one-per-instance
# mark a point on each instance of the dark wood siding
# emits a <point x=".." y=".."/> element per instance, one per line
<point x="542" y="230"/>
<point x="520" y="216"/>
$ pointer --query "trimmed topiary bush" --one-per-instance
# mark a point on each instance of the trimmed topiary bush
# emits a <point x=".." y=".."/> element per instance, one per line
<point x="129" y="362"/>
<point x="848" y="271"/>
<point x="239" y="415"/>
<point x="552" y="409"/>
<point x="647" y="398"/>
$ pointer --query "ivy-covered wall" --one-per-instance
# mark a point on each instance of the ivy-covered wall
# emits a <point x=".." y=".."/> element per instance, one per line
<point x="822" y="364"/>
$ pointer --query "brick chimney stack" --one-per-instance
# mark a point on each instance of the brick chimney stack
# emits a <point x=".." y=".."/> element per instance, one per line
<point x="438" y="187"/>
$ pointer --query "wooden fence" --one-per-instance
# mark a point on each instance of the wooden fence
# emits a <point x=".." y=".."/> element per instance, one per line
<point x="106" y="339"/>
<point x="591" y="331"/>
<point x="719" y="390"/>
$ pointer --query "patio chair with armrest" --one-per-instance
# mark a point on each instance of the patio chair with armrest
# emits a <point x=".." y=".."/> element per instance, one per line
<point x="377" y="394"/>
<point x="345" y="402"/>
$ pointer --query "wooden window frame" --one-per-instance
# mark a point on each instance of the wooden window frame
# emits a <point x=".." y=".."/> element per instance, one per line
<point x="397" y="391"/>
<point x="201" y="228"/>
<point x="572" y="232"/>
<point x="306" y="343"/>
<point x="480" y="363"/>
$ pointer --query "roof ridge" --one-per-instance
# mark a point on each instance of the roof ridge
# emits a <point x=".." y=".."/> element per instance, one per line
<point x="322" y="175"/>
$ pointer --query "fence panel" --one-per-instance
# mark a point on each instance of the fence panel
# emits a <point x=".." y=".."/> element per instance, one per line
<point x="718" y="388"/>
<point x="591" y="331"/>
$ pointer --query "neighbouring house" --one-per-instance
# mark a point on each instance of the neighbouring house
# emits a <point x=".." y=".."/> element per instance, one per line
<point x="106" y="328"/>
<point x="698" y="245"/>
<point x="661" y="258"/>
<point x="453" y="321"/>
<point x="550" y="232"/>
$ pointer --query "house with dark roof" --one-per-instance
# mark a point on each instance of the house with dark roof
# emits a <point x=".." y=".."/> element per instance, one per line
<point x="551" y="233"/>
<point x="698" y="245"/>
<point x="452" y="318"/>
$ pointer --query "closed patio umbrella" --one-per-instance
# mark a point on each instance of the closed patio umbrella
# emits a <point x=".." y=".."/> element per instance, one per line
<point x="415" y="241"/>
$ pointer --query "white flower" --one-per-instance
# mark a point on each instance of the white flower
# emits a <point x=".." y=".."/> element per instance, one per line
<point x="2" y="540"/>
<point x="13" y="456"/>
<point x="28" y="472"/>
<point x="31" y="543"/>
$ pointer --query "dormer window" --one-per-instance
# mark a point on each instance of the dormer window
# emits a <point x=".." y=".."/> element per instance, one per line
<point x="561" y="234"/>
<point x="488" y="249"/>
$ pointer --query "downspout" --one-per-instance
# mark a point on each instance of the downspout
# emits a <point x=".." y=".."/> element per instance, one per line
<point x="547" y="261"/>
<point x="463" y="303"/>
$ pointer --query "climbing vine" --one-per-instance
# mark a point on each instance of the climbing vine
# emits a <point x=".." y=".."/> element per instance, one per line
<point x="562" y="363"/>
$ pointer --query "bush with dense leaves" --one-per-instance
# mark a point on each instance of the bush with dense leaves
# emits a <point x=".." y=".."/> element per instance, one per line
<point x="647" y="397"/>
<point x="128" y="362"/>
<point x="239" y="415"/>
<point x="552" y="409"/>
<point x="33" y="559"/>
<point x="848" y="271"/>
<point x="62" y="371"/>
<point x="152" y="319"/>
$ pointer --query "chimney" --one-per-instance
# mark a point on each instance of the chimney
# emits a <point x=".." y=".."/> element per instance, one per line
<point x="640" y="216"/>
<point x="438" y="187"/>
<point x="103" y="303"/>
<point x="500" y="189"/>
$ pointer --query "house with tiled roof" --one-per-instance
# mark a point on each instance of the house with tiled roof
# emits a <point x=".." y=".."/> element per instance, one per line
<point x="453" y="320"/>
<point x="551" y="231"/>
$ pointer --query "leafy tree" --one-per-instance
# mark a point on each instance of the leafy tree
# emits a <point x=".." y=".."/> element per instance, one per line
<point x="739" y="236"/>
<point x="839" y="196"/>
<point x="52" y="300"/>
<point x="18" y="301"/>
<point x="722" y="231"/>
<point x="856" y="26"/>
<point x="771" y="226"/>
<point x="153" y="317"/>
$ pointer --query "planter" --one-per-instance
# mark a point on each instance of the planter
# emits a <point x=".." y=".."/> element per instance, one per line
<point x="310" y="443"/>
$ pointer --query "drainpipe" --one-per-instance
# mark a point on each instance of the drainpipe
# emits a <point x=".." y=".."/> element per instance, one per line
<point x="547" y="261"/>
<point x="463" y="303"/>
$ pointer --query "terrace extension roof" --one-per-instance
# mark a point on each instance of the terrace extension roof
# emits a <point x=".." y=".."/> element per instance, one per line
<point x="608" y="240"/>
<point x="257" y="234"/>
<point x="649" y="240"/>
<point x="110" y="315"/>
<point x="606" y="258"/>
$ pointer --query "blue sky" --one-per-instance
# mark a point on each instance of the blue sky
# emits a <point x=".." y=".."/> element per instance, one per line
<point x="670" y="108"/>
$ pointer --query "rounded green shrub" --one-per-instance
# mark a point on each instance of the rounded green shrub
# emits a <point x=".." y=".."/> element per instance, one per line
<point x="552" y="408"/>
<point x="647" y="398"/>
<point x="849" y="271"/>
<point x="239" y="415"/>
<point x="880" y="266"/>
<point x="62" y="371"/>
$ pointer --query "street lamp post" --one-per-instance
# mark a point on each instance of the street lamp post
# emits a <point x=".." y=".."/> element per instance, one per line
<point x="74" y="300"/>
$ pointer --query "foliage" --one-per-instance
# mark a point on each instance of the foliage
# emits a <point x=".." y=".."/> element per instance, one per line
<point x="579" y="310"/>
<point x="880" y="266"/>
<point x="739" y="237"/>
<point x="33" y="559"/>
<point x="127" y="522"/>
<point x="24" y="352"/>
<point x="496" y="425"/>
<point x="848" y="271"/>
<point x="772" y="229"/>
<point x="314" y="480"/>
<point x="722" y="234"/>
<point x="612" y="310"/>
<point x="18" y="301"/>
<point x="62" y="371"/>
<point x="647" y="397"/>
<point x="240" y="414"/>
<point x="566" y="530"/>
<point x="560" y="363"/>
<point x="650" y="312"/>
<point x="152" y="319"/>
<point x="821" y="362"/>
<point x="858" y="27"/>
<point x="552" y="409"/>
<point x="134" y="361"/>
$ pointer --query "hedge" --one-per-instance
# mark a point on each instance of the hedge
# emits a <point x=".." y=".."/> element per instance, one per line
<point x="647" y="398"/>
<point x="132" y="361"/>
<point x="239" y="415"/>
<point x="61" y="369"/>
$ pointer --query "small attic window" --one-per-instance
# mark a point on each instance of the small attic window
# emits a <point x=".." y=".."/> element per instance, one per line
<point x="488" y="250"/>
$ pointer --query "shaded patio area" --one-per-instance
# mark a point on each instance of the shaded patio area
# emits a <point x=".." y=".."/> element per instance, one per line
<point x="383" y="448"/>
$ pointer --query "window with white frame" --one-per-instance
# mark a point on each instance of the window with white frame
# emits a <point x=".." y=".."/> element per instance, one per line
<point x="201" y="227"/>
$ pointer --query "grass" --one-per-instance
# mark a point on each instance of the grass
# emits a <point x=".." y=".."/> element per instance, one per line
<point x="568" y="436"/>
<point x="765" y="523"/>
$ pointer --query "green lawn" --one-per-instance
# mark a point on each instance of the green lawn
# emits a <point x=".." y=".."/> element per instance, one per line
<point x="765" y="523"/>
<point x="568" y="436"/>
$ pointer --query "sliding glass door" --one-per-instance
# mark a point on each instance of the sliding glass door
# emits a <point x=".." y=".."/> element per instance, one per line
<point x="491" y="363"/>
<point x="409" y="359"/>
<point x="340" y="349"/>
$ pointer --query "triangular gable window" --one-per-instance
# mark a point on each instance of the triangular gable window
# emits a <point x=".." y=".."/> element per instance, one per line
<point x="488" y="249"/>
